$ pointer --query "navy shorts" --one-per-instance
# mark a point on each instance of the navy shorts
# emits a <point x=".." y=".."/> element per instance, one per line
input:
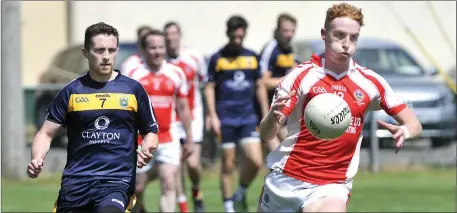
<point x="95" y="195"/>
<point x="232" y="135"/>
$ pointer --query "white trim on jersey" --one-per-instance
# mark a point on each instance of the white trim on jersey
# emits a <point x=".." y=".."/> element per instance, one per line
<point x="266" y="55"/>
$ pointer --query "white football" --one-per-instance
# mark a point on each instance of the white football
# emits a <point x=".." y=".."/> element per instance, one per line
<point x="327" y="116"/>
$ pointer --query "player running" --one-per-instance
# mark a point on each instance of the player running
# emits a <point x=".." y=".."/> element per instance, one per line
<point x="276" y="60"/>
<point x="167" y="89"/>
<point x="194" y="67"/>
<point x="102" y="111"/>
<point x="234" y="79"/>
<point x="311" y="175"/>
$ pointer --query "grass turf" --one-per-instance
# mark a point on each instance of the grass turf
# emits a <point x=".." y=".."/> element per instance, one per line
<point x="424" y="190"/>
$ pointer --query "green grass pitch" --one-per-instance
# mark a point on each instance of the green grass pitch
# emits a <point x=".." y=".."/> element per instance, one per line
<point x="424" y="190"/>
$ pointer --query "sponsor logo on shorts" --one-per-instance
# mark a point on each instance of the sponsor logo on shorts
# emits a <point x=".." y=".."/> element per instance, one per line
<point x="266" y="198"/>
<point x="118" y="201"/>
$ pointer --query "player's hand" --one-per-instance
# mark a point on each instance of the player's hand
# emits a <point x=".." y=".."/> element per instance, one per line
<point x="34" y="168"/>
<point x="216" y="125"/>
<point x="397" y="133"/>
<point x="145" y="154"/>
<point x="187" y="149"/>
<point x="278" y="105"/>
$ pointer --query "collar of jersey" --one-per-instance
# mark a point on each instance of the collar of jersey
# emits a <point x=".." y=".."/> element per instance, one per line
<point x="320" y="62"/>
<point x="164" y="64"/>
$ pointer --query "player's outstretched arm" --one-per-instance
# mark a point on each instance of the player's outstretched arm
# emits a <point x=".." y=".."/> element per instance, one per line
<point x="40" y="147"/>
<point x="269" y="126"/>
<point x="409" y="127"/>
<point x="182" y="108"/>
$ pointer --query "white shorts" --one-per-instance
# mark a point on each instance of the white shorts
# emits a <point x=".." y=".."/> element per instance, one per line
<point x="165" y="153"/>
<point x="282" y="193"/>
<point x="177" y="129"/>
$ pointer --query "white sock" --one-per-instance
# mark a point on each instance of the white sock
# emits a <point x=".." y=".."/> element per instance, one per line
<point x="228" y="206"/>
<point x="182" y="199"/>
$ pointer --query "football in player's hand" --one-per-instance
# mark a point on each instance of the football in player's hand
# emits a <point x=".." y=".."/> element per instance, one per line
<point x="327" y="116"/>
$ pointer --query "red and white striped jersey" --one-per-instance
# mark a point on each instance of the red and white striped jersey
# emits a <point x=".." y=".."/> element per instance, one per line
<point x="305" y="157"/>
<point x="131" y="63"/>
<point x="163" y="87"/>
<point x="194" y="67"/>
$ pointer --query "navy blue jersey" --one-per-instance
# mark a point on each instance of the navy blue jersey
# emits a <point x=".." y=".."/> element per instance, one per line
<point x="235" y="80"/>
<point x="277" y="61"/>
<point x="102" y="121"/>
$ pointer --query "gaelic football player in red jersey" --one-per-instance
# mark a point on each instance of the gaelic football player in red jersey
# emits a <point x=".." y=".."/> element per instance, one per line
<point x="312" y="175"/>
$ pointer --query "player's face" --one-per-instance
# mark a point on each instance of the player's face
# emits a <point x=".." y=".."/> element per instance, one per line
<point x="172" y="37"/>
<point x="341" y="38"/>
<point x="102" y="54"/>
<point x="287" y="30"/>
<point x="237" y="36"/>
<point x="155" y="49"/>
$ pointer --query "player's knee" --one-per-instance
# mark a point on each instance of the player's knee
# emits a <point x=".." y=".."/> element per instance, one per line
<point x="228" y="167"/>
<point x="111" y="209"/>
<point x="193" y="164"/>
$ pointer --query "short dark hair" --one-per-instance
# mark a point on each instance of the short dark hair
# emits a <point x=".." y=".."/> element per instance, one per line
<point x="171" y="24"/>
<point x="141" y="29"/>
<point x="143" y="39"/>
<point x="285" y="17"/>
<point x="236" y="22"/>
<point x="98" y="29"/>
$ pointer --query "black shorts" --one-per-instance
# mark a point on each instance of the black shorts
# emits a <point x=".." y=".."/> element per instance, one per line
<point x="95" y="195"/>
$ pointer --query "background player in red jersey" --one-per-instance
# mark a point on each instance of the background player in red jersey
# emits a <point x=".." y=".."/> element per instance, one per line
<point x="312" y="175"/>
<point x="167" y="90"/>
<point x="194" y="67"/>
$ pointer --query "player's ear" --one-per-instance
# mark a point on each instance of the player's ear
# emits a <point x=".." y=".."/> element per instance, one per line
<point x="323" y="34"/>
<point x="85" y="53"/>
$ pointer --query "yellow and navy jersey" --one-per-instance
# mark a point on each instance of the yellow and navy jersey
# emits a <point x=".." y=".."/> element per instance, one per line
<point x="235" y="79"/>
<point x="276" y="60"/>
<point x="102" y="121"/>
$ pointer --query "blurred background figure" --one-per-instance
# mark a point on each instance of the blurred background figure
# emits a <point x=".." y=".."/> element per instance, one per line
<point x="136" y="60"/>
<point x="276" y="60"/>
<point x="233" y="80"/>
<point x="194" y="66"/>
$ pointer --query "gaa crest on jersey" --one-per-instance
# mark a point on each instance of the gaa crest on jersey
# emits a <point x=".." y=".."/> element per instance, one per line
<point x="359" y="96"/>
<point x="123" y="101"/>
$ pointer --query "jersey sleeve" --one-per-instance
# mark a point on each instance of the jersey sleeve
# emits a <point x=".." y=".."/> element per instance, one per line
<point x="182" y="88"/>
<point x="267" y="59"/>
<point x="202" y="69"/>
<point x="57" y="111"/>
<point x="146" y="119"/>
<point x="212" y="69"/>
<point x="387" y="100"/>
<point x="291" y="82"/>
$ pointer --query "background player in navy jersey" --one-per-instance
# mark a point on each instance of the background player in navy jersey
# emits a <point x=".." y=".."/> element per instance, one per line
<point x="234" y="79"/>
<point x="102" y="111"/>
<point x="276" y="60"/>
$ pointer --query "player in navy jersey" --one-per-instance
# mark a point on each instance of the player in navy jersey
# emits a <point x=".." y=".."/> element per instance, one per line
<point x="102" y="111"/>
<point x="276" y="60"/>
<point x="234" y="79"/>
